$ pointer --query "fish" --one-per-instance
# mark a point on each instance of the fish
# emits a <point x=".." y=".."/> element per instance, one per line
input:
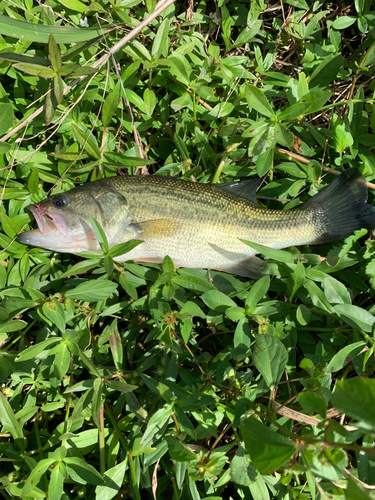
<point x="199" y="226"/>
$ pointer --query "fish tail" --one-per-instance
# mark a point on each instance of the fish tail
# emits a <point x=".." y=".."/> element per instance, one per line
<point x="341" y="208"/>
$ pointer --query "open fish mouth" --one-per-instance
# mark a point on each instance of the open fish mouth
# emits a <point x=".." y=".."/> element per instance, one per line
<point x="48" y="223"/>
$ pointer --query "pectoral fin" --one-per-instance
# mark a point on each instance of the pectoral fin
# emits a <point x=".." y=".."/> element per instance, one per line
<point x="158" y="228"/>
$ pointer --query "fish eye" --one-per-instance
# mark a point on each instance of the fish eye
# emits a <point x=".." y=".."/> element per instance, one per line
<point x="59" y="202"/>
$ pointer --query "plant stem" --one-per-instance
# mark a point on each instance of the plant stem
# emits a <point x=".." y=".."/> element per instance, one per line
<point x="101" y="441"/>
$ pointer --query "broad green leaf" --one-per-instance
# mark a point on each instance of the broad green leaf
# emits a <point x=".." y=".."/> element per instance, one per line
<point x="62" y="360"/>
<point x="110" y="105"/>
<point x="32" y="32"/>
<point x="258" y="101"/>
<point x="35" y="70"/>
<point x="149" y="98"/>
<point x="54" y="311"/>
<point x="355" y="397"/>
<point x="87" y="141"/>
<point x="313" y="403"/>
<point x="217" y="301"/>
<point x="257" y="292"/>
<point x="342" y="137"/>
<point x="54" y="54"/>
<point x="327" y="71"/>
<point x="80" y="470"/>
<point x="81" y="267"/>
<point x="35" y="350"/>
<point x="56" y="484"/>
<point x="93" y="290"/>
<point x="340" y="23"/>
<point x="179" y="451"/>
<point x="10" y="423"/>
<point x="6" y="117"/>
<point x="329" y="463"/>
<point x="335" y="291"/>
<point x="100" y="235"/>
<point x="36" y="474"/>
<point x="74" y="5"/>
<point x="193" y="283"/>
<point x="241" y="469"/>
<point x="265" y="162"/>
<point x="161" y="39"/>
<point x="355" y="316"/>
<point x="267" y="449"/>
<point x="115" y="345"/>
<point x="156" y="422"/>
<point x="180" y="68"/>
<point x="298" y="278"/>
<point x="113" y="479"/>
<point x="345" y="356"/>
<point x="271" y="253"/>
<point x="270" y="358"/>
<point x="219" y="111"/>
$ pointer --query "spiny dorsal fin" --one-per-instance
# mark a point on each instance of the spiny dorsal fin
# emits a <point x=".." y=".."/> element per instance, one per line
<point x="244" y="189"/>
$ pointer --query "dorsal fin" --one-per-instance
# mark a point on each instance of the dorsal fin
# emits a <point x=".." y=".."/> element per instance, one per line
<point x="244" y="189"/>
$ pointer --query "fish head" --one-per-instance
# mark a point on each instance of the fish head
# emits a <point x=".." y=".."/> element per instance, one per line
<point x="64" y="219"/>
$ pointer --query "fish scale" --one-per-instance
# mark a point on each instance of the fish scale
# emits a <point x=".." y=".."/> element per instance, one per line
<point x="197" y="225"/>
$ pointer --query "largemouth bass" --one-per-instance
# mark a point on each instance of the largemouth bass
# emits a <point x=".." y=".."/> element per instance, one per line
<point x="197" y="225"/>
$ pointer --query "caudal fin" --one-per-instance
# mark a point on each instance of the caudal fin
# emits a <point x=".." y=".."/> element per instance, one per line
<point x="342" y="207"/>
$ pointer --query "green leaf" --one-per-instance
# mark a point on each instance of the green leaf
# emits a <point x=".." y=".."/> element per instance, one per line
<point x="10" y="423"/>
<point x="258" y="101"/>
<point x="35" y="70"/>
<point x="54" y="311"/>
<point x="327" y="71"/>
<point x="192" y="283"/>
<point x="336" y="292"/>
<point x="180" y="68"/>
<point x="356" y="317"/>
<point x="270" y="358"/>
<point x="32" y="32"/>
<point x="342" y="138"/>
<point x="56" y="483"/>
<point x="257" y="292"/>
<point x="267" y="449"/>
<point x="74" y="5"/>
<point x="345" y="356"/>
<point x="149" y="98"/>
<point x="6" y="118"/>
<point x="113" y="480"/>
<point x="93" y="290"/>
<point x="271" y="253"/>
<point x="87" y="141"/>
<point x="54" y="54"/>
<point x="312" y="403"/>
<point x="340" y="23"/>
<point x="355" y="397"/>
<point x="110" y="105"/>
<point x="35" y="475"/>
<point x="100" y="235"/>
<point x="241" y="469"/>
<point x="217" y="301"/>
<point x="81" y="267"/>
<point x="35" y="350"/>
<point x="178" y="451"/>
<point x="81" y="470"/>
<point x="298" y="278"/>
<point x="161" y="39"/>
<point x="115" y="345"/>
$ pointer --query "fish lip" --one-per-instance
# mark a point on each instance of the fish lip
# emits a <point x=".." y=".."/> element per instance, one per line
<point x="45" y="221"/>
